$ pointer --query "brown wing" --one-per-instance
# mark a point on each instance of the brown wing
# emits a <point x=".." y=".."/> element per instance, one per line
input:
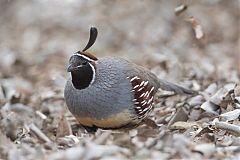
<point x="143" y="93"/>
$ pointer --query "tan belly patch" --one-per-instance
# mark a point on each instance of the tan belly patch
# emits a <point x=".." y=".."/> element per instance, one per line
<point x="118" y="120"/>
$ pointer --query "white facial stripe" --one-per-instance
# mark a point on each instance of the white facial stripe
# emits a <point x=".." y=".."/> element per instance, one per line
<point x="83" y="56"/>
<point x="94" y="73"/>
<point x="79" y="66"/>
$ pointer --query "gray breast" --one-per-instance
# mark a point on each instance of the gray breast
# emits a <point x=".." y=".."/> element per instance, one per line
<point x="109" y="94"/>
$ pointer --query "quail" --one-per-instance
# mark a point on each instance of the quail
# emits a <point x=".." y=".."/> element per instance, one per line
<point x="111" y="92"/>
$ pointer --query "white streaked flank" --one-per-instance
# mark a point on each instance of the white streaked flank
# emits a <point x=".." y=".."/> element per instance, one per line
<point x="145" y="83"/>
<point x="133" y="78"/>
<point x="135" y="86"/>
<point x="140" y="89"/>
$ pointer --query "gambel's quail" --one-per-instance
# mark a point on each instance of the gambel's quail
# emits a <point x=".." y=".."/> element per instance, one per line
<point x="111" y="93"/>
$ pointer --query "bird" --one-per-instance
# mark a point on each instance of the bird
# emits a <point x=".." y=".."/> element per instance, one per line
<point x="111" y="92"/>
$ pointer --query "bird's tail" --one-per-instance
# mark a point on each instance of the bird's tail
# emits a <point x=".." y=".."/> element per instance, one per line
<point x="168" y="86"/>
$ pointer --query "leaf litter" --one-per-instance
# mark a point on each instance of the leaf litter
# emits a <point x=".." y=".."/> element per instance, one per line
<point x="35" y="122"/>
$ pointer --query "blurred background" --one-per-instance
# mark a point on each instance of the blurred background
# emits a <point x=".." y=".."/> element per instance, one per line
<point x="199" y="45"/>
<point x="38" y="37"/>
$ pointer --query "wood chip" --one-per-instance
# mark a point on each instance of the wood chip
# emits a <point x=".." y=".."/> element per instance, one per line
<point x="211" y="89"/>
<point x="37" y="132"/>
<point x="210" y="108"/>
<point x="184" y="125"/>
<point x="41" y="115"/>
<point x="179" y="9"/>
<point x="206" y="149"/>
<point x="69" y="140"/>
<point x="228" y="127"/>
<point x="180" y="115"/>
<point x="229" y="116"/>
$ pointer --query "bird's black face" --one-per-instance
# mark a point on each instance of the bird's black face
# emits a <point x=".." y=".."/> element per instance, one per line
<point x="77" y="63"/>
<point x="82" y="71"/>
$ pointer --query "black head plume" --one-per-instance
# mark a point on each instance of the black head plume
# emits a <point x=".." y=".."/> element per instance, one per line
<point x="92" y="38"/>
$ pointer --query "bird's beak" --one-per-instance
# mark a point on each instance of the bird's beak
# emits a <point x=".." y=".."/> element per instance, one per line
<point x="72" y="67"/>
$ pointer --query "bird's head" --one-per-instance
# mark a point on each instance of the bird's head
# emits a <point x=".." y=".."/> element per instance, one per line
<point x="82" y="64"/>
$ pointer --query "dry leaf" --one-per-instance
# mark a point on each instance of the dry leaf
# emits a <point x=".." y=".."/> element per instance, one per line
<point x="64" y="128"/>
<point x="199" y="33"/>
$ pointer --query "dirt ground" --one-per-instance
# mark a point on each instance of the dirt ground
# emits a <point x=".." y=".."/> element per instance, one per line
<point x="193" y="43"/>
